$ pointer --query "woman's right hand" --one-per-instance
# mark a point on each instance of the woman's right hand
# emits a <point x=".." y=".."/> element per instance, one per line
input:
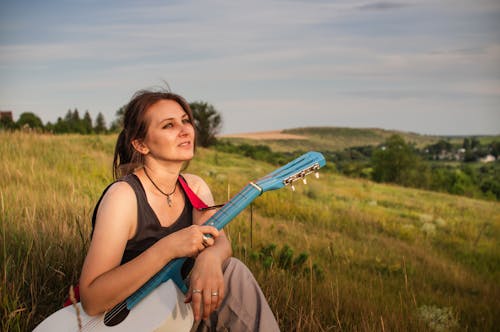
<point x="190" y="241"/>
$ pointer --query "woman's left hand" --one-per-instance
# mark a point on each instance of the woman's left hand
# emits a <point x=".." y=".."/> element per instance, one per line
<point x="206" y="284"/>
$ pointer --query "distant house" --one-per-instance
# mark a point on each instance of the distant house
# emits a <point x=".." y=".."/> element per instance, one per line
<point x="6" y="115"/>
<point x="488" y="159"/>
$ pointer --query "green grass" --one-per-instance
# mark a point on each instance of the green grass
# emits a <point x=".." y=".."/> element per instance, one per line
<point x="379" y="257"/>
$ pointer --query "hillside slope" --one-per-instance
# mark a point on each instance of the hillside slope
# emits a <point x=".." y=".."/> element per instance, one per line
<point x="337" y="254"/>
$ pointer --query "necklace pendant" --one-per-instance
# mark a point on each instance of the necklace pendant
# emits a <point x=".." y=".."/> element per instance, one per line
<point x="169" y="201"/>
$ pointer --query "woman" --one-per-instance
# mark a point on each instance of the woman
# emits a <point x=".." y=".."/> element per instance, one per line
<point x="144" y="220"/>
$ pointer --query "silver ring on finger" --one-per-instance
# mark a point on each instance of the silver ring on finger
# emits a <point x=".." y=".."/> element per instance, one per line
<point x="204" y="240"/>
<point x="215" y="294"/>
<point x="196" y="291"/>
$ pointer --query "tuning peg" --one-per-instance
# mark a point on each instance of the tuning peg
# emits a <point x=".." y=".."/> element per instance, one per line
<point x="304" y="180"/>
<point x="293" y="187"/>
<point x="316" y="175"/>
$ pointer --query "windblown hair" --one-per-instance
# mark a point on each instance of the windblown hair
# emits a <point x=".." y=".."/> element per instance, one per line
<point x="126" y="158"/>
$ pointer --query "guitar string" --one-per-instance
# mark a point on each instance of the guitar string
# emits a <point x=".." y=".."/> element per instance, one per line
<point x="235" y="202"/>
<point x="91" y="324"/>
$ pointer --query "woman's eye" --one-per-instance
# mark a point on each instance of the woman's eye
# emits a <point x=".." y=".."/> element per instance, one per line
<point x="186" y="121"/>
<point x="168" y="125"/>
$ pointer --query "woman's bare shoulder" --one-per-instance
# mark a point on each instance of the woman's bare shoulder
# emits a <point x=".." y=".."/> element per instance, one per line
<point x="120" y="189"/>
<point x="194" y="181"/>
<point x="119" y="199"/>
<point x="199" y="186"/>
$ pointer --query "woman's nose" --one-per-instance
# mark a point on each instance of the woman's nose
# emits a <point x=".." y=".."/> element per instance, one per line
<point x="185" y="130"/>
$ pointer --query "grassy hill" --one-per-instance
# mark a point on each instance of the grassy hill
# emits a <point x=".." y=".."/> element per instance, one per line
<point x="337" y="138"/>
<point x="337" y="254"/>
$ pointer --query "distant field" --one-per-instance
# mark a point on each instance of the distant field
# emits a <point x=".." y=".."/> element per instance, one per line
<point x="335" y="138"/>
<point x="324" y="138"/>
<point x="338" y="254"/>
<point x="266" y="135"/>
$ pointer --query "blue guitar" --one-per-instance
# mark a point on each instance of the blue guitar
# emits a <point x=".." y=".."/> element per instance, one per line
<point x="158" y="305"/>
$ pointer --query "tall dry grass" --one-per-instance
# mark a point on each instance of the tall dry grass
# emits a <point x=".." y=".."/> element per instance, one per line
<point x="48" y="186"/>
<point x="377" y="257"/>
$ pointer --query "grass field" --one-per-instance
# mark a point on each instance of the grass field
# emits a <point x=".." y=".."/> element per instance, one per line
<point x="338" y="254"/>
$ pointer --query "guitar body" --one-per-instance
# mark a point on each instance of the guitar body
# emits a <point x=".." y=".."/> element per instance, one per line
<point x="161" y="310"/>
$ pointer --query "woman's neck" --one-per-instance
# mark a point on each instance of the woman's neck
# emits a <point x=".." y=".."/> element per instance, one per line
<point x="164" y="180"/>
<point x="163" y="175"/>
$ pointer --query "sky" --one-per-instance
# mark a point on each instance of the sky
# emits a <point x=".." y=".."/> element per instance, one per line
<point x="424" y="66"/>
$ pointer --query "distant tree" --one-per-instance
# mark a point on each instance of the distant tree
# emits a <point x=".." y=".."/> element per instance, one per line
<point x="49" y="126"/>
<point x="466" y="143"/>
<point x="30" y="120"/>
<point x="494" y="148"/>
<point x="76" y="123"/>
<point x="100" y="124"/>
<point x="470" y="143"/>
<point x="489" y="181"/>
<point x="397" y="162"/>
<point x="68" y="122"/>
<point x="208" y="122"/>
<point x="470" y="156"/>
<point x="87" y="123"/>
<point x="68" y="116"/>
<point x="440" y="146"/>
<point x="61" y="126"/>
<point x="462" y="184"/>
<point x="75" y="116"/>
<point x="117" y="124"/>
<point x="7" y="123"/>
<point x="474" y="142"/>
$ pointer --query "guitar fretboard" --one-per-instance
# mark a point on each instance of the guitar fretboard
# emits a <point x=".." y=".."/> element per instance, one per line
<point x="232" y="208"/>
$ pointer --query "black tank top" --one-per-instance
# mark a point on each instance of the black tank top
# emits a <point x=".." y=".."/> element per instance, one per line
<point x="149" y="230"/>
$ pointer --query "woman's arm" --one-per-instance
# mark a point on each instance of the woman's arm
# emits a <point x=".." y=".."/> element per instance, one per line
<point x="206" y="274"/>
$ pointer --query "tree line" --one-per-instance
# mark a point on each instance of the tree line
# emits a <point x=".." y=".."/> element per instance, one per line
<point x="441" y="166"/>
<point x="401" y="163"/>
<point x="208" y="122"/>
<point x="72" y="122"/>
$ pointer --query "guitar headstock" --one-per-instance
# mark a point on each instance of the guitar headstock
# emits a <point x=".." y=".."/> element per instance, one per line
<point x="295" y="170"/>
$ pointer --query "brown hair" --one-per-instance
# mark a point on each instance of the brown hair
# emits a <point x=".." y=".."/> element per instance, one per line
<point x="126" y="158"/>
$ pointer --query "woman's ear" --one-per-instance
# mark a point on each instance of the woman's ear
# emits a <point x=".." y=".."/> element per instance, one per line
<point x="140" y="147"/>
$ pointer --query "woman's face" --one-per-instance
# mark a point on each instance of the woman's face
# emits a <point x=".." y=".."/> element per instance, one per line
<point x="170" y="134"/>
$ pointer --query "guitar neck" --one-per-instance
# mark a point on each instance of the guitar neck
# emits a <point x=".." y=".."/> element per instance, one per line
<point x="220" y="219"/>
<point x="233" y="207"/>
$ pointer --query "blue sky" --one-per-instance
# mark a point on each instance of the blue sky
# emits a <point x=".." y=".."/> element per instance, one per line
<point x="427" y="66"/>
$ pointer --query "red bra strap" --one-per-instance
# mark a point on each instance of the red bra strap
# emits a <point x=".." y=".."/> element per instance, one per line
<point x="193" y="198"/>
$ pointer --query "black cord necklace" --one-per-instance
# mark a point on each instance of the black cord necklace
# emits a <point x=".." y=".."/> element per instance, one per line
<point x="169" y="199"/>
